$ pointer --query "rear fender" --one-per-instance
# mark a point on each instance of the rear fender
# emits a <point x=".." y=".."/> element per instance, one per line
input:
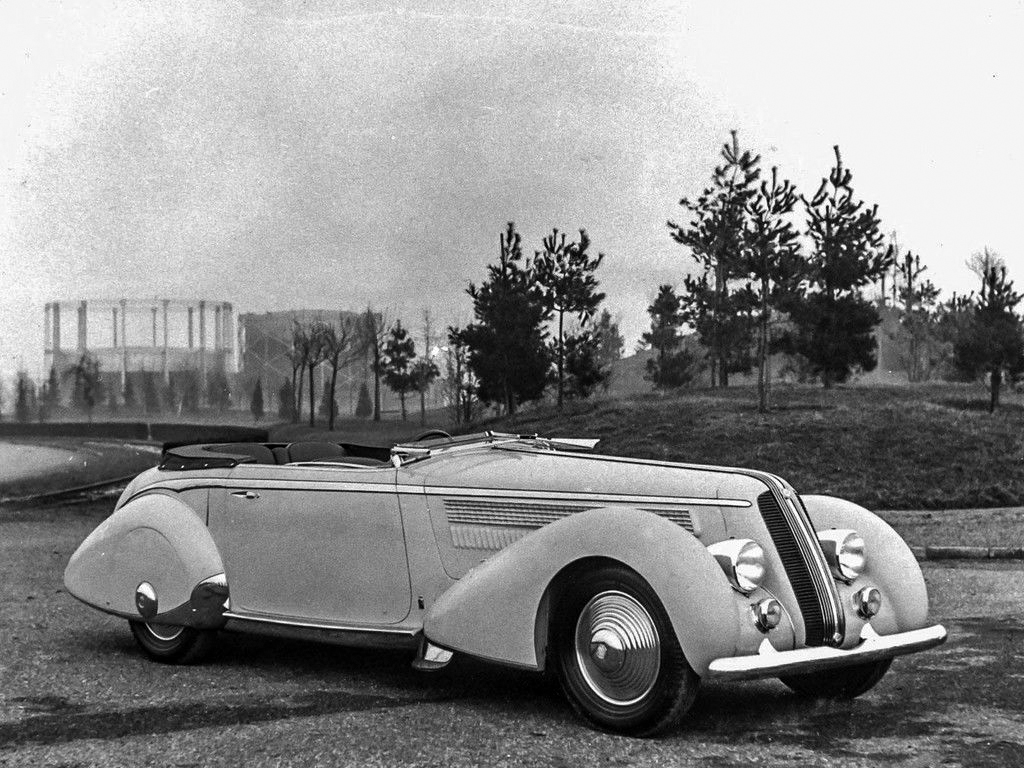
<point x="154" y="538"/>
<point x="498" y="610"/>
<point x="891" y="566"/>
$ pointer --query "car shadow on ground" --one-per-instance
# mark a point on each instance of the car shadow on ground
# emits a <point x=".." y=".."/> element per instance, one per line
<point x="924" y="696"/>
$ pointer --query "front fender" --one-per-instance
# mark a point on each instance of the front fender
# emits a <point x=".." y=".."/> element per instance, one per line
<point x="154" y="538"/>
<point x="891" y="566"/>
<point x="493" y="610"/>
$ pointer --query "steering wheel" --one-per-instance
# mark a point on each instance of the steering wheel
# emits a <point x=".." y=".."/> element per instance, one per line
<point x="431" y="434"/>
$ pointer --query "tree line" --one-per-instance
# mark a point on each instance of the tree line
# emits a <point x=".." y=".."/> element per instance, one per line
<point x="535" y="324"/>
<point x="776" y="272"/>
<point x="393" y="361"/>
<point x="85" y="387"/>
<point x="767" y="282"/>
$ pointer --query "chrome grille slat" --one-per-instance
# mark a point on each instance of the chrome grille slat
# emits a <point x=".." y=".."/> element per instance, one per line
<point x="808" y="575"/>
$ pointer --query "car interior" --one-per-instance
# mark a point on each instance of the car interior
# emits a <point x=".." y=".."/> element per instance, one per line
<point x="301" y="452"/>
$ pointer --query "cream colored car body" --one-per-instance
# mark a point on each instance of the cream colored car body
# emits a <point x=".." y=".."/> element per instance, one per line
<point x="466" y="546"/>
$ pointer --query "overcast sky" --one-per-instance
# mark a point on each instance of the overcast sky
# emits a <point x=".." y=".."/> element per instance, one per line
<point x="331" y="154"/>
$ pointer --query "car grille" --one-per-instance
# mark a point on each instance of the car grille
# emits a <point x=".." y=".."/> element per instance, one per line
<point x="810" y="579"/>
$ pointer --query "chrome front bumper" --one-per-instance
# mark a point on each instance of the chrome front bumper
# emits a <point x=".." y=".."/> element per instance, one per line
<point x="873" y="647"/>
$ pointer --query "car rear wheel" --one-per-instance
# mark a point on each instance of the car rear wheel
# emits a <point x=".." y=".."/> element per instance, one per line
<point x="617" y="656"/>
<point x="840" y="683"/>
<point x="172" y="644"/>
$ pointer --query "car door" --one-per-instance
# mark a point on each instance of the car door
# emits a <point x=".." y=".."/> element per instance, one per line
<point x="320" y="544"/>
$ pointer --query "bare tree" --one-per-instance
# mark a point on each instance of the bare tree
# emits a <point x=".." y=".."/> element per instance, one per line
<point x="982" y="262"/>
<point x="375" y="330"/>
<point x="343" y="344"/>
<point x="297" y="357"/>
<point x="316" y="354"/>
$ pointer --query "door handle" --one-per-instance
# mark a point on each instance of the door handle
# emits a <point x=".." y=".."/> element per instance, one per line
<point x="245" y="494"/>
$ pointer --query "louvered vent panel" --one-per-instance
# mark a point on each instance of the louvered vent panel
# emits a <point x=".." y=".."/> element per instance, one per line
<point x="494" y="524"/>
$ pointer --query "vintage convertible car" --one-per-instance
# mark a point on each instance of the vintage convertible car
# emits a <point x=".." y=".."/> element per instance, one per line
<point x="631" y="580"/>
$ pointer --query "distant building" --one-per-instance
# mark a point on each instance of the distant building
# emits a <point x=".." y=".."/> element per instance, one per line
<point x="134" y="337"/>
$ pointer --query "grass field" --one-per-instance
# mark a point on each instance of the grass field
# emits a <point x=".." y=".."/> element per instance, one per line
<point x="902" y="447"/>
<point x="931" y="446"/>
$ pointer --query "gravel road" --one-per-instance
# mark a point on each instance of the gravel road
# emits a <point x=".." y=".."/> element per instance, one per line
<point x="74" y="691"/>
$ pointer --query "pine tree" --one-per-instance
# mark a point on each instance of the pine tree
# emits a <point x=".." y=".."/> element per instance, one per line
<point x="918" y="299"/>
<point x="52" y="393"/>
<point x="150" y="395"/>
<point x="611" y="344"/>
<point x="713" y="304"/>
<point x="834" y="322"/>
<point x="286" y="401"/>
<point x="23" y="405"/>
<point x="328" y="407"/>
<point x="219" y="390"/>
<point x="460" y="382"/>
<point x="674" y="366"/>
<point x="399" y="352"/>
<point x="423" y="373"/>
<point x="189" y="387"/>
<point x="992" y="342"/>
<point x="564" y="272"/>
<point x="88" y="387"/>
<point x="128" y="391"/>
<point x="508" y="350"/>
<point x="774" y="265"/>
<point x="256" y="403"/>
<point x="583" y="369"/>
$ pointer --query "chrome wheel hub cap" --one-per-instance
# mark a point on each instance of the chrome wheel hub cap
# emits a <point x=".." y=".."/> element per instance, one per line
<point x="617" y="648"/>
<point x="165" y="632"/>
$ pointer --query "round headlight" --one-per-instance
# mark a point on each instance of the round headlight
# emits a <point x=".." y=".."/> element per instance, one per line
<point x="844" y="551"/>
<point x="743" y="562"/>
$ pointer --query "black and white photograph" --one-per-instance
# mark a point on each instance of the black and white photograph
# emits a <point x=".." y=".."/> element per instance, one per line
<point x="511" y="383"/>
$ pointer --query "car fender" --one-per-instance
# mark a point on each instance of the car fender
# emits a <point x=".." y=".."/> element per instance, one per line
<point x="154" y="538"/>
<point x="891" y="566"/>
<point x="497" y="611"/>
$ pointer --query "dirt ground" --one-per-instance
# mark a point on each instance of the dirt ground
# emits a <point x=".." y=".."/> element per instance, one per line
<point x="74" y="691"/>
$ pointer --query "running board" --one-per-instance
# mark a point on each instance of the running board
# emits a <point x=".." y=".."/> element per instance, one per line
<point x="354" y="637"/>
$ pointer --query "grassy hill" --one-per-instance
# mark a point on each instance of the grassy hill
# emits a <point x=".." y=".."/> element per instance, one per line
<point x="899" y="447"/>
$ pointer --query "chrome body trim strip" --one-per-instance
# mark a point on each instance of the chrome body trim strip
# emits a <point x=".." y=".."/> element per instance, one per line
<point x="242" y="484"/>
<point x="321" y="625"/>
<point x="873" y="647"/>
<point x="604" y="498"/>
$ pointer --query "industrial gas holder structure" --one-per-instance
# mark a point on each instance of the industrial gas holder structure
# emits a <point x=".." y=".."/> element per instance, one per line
<point x="145" y="337"/>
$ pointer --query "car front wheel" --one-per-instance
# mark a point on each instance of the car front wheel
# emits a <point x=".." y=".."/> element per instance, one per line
<point x="840" y="683"/>
<point x="617" y="656"/>
<point x="172" y="644"/>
